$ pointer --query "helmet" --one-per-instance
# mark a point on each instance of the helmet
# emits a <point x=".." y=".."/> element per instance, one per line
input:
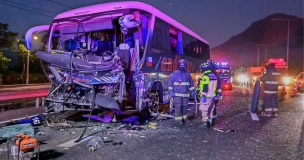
<point x="182" y="65"/>
<point x="208" y="65"/>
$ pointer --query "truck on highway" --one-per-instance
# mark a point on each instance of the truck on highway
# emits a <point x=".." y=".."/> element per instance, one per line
<point x="256" y="72"/>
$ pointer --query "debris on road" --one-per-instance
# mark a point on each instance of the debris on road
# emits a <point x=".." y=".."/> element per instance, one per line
<point x="59" y="124"/>
<point x="106" y="118"/>
<point x="225" y="131"/>
<point x="152" y="125"/>
<point x="35" y="121"/>
<point x="133" y="120"/>
<point x="96" y="143"/>
<point x="11" y="131"/>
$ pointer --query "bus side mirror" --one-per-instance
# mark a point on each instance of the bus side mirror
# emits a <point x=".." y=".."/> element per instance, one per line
<point x="31" y="31"/>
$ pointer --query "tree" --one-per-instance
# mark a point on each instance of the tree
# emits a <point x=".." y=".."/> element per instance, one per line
<point x="22" y="51"/>
<point x="3" y="63"/>
<point x="7" y="38"/>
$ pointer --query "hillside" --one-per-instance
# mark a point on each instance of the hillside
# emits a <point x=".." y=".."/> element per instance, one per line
<point x="241" y="50"/>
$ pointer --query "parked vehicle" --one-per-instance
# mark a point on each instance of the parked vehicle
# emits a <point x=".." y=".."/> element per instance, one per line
<point x="224" y="70"/>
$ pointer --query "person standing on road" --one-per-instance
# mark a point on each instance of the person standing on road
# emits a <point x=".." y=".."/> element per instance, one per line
<point x="218" y="93"/>
<point x="271" y="84"/>
<point x="181" y="88"/>
<point x="208" y="86"/>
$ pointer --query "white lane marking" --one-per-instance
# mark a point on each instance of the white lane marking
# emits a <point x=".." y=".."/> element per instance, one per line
<point x="254" y="116"/>
<point x="72" y="142"/>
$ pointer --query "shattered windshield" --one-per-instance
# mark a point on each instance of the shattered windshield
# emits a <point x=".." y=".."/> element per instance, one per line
<point x="82" y="33"/>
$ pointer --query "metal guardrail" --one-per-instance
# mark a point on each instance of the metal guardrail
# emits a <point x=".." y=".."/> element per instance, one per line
<point x="35" y="94"/>
<point x="21" y="85"/>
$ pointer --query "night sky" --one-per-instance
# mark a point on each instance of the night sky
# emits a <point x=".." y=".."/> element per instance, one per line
<point x="214" y="20"/>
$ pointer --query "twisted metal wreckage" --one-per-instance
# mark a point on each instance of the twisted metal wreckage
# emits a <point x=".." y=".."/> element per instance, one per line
<point x="115" y="56"/>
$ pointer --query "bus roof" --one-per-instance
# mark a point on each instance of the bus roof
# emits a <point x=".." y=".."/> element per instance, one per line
<point x="113" y="6"/>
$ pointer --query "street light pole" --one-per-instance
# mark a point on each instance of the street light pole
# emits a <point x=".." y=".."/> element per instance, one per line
<point x="287" y="50"/>
<point x="265" y="52"/>
<point x="258" y="60"/>
<point x="27" y="67"/>
<point x="265" y="45"/>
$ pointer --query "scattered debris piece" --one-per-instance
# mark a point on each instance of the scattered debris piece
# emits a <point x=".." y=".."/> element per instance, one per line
<point x="60" y="124"/>
<point x="226" y="131"/>
<point x="114" y="120"/>
<point x="117" y="143"/>
<point x="133" y="120"/>
<point x="11" y="131"/>
<point x="106" y="118"/>
<point x="152" y="125"/>
<point x="35" y="121"/>
<point x="95" y="143"/>
<point x="41" y="134"/>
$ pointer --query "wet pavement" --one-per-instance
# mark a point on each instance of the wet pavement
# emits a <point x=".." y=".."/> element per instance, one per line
<point x="270" y="138"/>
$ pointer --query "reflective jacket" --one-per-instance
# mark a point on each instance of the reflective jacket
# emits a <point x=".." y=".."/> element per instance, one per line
<point x="271" y="81"/>
<point x="180" y="84"/>
<point x="208" y="84"/>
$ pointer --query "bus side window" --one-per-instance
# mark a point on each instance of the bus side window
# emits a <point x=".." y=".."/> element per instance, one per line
<point x="160" y="38"/>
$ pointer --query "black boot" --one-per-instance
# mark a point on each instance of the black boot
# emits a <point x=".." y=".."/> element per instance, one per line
<point x="209" y="123"/>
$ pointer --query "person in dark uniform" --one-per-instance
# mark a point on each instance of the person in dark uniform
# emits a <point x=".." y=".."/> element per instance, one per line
<point x="218" y="90"/>
<point x="271" y="83"/>
<point x="181" y="87"/>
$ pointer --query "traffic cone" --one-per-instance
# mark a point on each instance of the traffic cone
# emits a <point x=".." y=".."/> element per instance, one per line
<point x="295" y="90"/>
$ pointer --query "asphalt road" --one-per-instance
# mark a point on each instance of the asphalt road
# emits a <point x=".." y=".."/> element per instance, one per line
<point x="271" y="138"/>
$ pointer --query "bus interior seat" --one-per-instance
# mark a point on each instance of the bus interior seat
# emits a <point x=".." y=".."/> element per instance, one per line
<point x="103" y="46"/>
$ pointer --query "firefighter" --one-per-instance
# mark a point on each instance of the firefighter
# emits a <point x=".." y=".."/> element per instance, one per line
<point x="180" y="89"/>
<point x="271" y="84"/>
<point x="208" y="86"/>
<point x="218" y="93"/>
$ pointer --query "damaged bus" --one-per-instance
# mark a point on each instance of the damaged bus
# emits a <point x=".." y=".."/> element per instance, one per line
<point x="118" y="55"/>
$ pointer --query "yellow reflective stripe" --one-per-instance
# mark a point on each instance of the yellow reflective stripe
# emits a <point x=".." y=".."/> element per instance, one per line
<point x="178" y="118"/>
<point x="181" y="83"/>
<point x="181" y="95"/>
<point x="271" y="92"/>
<point x="268" y="109"/>
<point x="170" y="88"/>
<point x="271" y="82"/>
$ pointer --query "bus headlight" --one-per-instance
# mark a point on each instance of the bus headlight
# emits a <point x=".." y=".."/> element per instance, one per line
<point x="286" y="80"/>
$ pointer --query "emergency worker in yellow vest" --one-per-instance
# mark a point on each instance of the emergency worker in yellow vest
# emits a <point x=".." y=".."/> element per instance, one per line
<point x="180" y="88"/>
<point x="208" y="86"/>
